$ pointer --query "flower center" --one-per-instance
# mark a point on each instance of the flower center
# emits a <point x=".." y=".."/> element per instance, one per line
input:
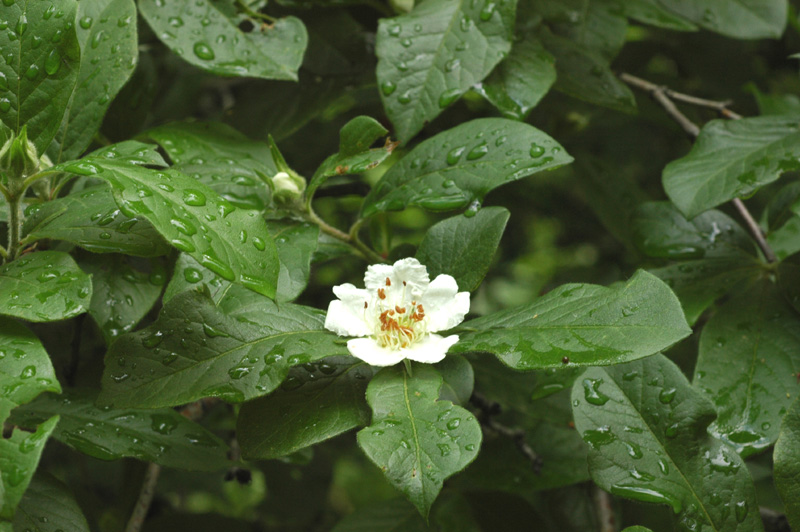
<point x="399" y="322"/>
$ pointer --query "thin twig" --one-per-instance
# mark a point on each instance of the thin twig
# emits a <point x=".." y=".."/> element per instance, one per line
<point x="145" y="498"/>
<point x="604" y="507"/>
<point x="662" y="95"/>
<point x="488" y="409"/>
<point x="720" y="107"/>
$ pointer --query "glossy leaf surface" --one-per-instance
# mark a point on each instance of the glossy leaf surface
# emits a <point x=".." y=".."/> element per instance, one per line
<point x="429" y="57"/>
<point x="647" y="429"/>
<point x="581" y="324"/>
<point x="417" y="441"/>
<point x="748" y="364"/>
<point x="316" y="402"/>
<point x="37" y="83"/>
<point x="238" y="350"/>
<point x="787" y="464"/>
<point x="464" y="247"/>
<point x="44" y="286"/>
<point x="49" y="506"/>
<point x="463" y="164"/>
<point x="743" y="19"/>
<point x="91" y="219"/>
<point x="192" y="29"/>
<point x="162" y="436"/>
<point x="733" y="158"/>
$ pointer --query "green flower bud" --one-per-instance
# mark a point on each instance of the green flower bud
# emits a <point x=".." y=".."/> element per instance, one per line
<point x="18" y="157"/>
<point x="287" y="187"/>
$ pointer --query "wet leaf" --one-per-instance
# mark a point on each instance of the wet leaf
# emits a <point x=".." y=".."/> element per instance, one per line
<point x="647" y="429"/>
<point x="91" y="219"/>
<point x="238" y="349"/>
<point x="429" y="57"/>
<point x="44" y="286"/>
<point x="36" y="83"/>
<point x="416" y="440"/>
<point x="49" y="506"/>
<point x="581" y="324"/>
<point x="220" y="157"/>
<point x="741" y="19"/>
<point x="463" y="164"/>
<point x="748" y="361"/>
<point x="162" y="436"/>
<point x="733" y="158"/>
<point x="106" y="31"/>
<point x="464" y="247"/>
<point x="207" y="35"/>
<point x="317" y="402"/>
<point x="122" y="293"/>
<point x="787" y="464"/>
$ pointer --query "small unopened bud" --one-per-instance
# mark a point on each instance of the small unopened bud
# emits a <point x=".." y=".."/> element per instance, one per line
<point x="402" y="6"/>
<point x="18" y="156"/>
<point x="287" y="187"/>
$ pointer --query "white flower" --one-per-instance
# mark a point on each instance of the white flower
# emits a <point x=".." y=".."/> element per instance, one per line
<point x="284" y="183"/>
<point x="397" y="313"/>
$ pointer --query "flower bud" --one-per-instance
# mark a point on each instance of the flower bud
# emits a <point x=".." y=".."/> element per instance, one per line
<point x="18" y="156"/>
<point x="286" y="187"/>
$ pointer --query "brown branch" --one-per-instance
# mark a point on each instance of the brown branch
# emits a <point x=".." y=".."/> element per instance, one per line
<point x="145" y="498"/>
<point x="664" y="97"/>
<point x="604" y="509"/>
<point x="488" y="409"/>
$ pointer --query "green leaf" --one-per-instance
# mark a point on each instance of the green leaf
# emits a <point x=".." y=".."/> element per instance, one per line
<point x="458" y="377"/>
<point x="637" y="528"/>
<point x="463" y="164"/>
<point x="162" y="436"/>
<point x="91" y="219"/>
<point x="106" y="31"/>
<point x="647" y="429"/>
<point x="192" y="28"/>
<point x="220" y="157"/>
<point x="715" y="253"/>
<point x="585" y="74"/>
<point x="354" y="155"/>
<point x="732" y="158"/>
<point x="654" y="13"/>
<point x="44" y="286"/>
<point x="431" y="56"/>
<point x="417" y="441"/>
<point x="359" y="134"/>
<point x="315" y="403"/>
<point x="49" y="506"/>
<point x="740" y="19"/>
<point x="464" y="247"/>
<point x="595" y="25"/>
<point x="521" y="80"/>
<point x="231" y="242"/>
<point x="549" y="432"/>
<point x="26" y="370"/>
<point x="239" y="350"/>
<point x="122" y="294"/>
<point x="37" y="82"/>
<point x="747" y="365"/>
<point x="296" y="243"/>
<point x="394" y="515"/>
<point x="19" y="457"/>
<point x="787" y="464"/>
<point x="588" y="324"/>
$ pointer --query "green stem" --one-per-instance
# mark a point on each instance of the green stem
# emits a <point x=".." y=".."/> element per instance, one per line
<point x="255" y="14"/>
<point x="351" y="239"/>
<point x="14" y="226"/>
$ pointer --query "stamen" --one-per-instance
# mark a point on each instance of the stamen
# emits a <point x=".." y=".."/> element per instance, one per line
<point x="382" y="293"/>
<point x="404" y="283"/>
<point x="365" y="304"/>
<point x="389" y="282"/>
<point x="400" y="310"/>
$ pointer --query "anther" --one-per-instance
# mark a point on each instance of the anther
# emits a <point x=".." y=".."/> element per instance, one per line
<point x="365" y="304"/>
<point x="382" y="293"/>
<point x="389" y="282"/>
<point x="400" y="310"/>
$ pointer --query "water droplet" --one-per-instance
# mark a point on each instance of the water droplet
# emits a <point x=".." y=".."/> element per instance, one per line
<point x="740" y="508"/>
<point x="404" y="98"/>
<point x="192" y="275"/>
<point x="28" y="372"/>
<point x="667" y="395"/>
<point x="153" y="340"/>
<point x="163" y="424"/>
<point x="203" y="51"/>
<point x="395" y="30"/>
<point x="444" y="449"/>
<point x="453" y="423"/>
<point x="448" y="97"/>
<point x="32" y="72"/>
<point x="454" y="155"/>
<point x="259" y="244"/>
<point x="478" y="151"/>
<point x="169" y="358"/>
<point x="52" y="63"/>
<point x="194" y="198"/>
<point x="83" y="168"/>
<point x="239" y="372"/>
<point x="211" y="332"/>
<point x="671" y="431"/>
<point x="388" y="87"/>
<point x="5" y="104"/>
<point x="536" y="151"/>
<point x="22" y="25"/>
<point x="592" y="393"/>
<point x="601" y="436"/>
<point x="97" y="39"/>
<point x="648" y="495"/>
<point x="86" y="22"/>
<point x="487" y="11"/>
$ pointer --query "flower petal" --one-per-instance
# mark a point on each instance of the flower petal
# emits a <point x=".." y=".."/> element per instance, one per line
<point x="376" y="276"/>
<point x="346" y="317"/>
<point x="445" y="306"/>
<point x="431" y="349"/>
<point x="368" y="350"/>
<point x="413" y="274"/>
